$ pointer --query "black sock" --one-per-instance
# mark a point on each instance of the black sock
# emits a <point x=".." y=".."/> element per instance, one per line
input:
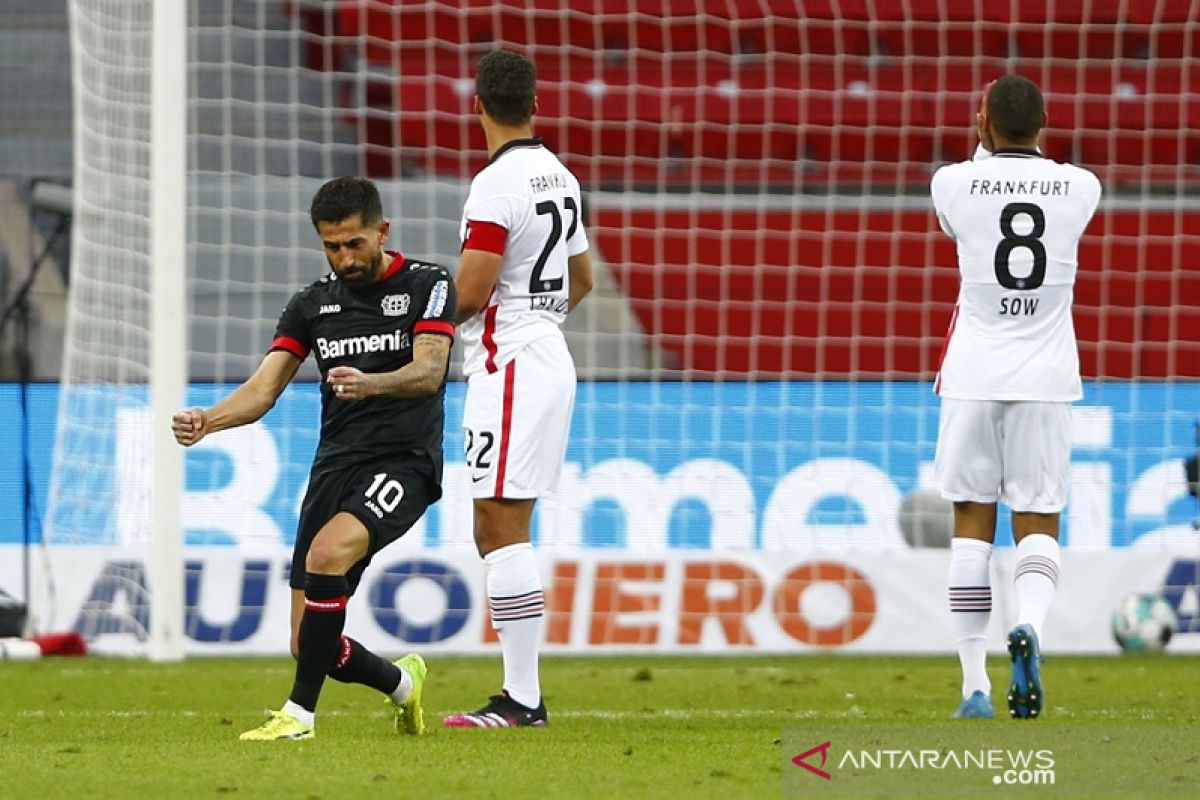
<point x="321" y="626"/>
<point x="357" y="664"/>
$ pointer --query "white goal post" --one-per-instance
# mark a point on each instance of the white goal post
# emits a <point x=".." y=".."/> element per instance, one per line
<point x="127" y="341"/>
<point x="168" y="315"/>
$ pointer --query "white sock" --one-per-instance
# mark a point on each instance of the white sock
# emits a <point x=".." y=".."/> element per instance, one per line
<point x="515" y="598"/>
<point x="404" y="689"/>
<point x="970" y="590"/>
<point x="306" y="717"/>
<point x="1036" y="579"/>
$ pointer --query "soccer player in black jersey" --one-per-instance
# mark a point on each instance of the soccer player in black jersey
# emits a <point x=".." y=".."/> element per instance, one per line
<point x="380" y="327"/>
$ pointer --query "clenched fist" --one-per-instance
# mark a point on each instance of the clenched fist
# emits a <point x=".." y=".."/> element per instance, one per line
<point x="189" y="426"/>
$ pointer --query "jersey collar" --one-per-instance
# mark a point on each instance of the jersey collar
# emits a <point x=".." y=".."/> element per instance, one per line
<point x="513" y="144"/>
<point x="397" y="265"/>
<point x="1018" y="151"/>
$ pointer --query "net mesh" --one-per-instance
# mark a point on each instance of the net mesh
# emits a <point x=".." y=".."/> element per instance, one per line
<point x="772" y="290"/>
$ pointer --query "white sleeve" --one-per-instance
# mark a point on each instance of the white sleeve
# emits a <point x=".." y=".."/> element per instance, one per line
<point x="577" y="240"/>
<point x="939" y="190"/>
<point x="1097" y="192"/>
<point x="489" y="201"/>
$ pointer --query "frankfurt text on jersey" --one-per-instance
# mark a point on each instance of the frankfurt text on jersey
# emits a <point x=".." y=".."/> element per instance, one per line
<point x="981" y="186"/>
<point x="544" y="183"/>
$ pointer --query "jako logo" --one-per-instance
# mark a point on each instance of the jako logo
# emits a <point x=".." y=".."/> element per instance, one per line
<point x="331" y="308"/>
<point x="823" y="749"/>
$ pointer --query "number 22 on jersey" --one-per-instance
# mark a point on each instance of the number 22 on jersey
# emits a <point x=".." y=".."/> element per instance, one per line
<point x="539" y="282"/>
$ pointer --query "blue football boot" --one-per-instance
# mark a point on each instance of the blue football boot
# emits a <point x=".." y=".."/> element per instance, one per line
<point x="977" y="706"/>
<point x="1025" y="691"/>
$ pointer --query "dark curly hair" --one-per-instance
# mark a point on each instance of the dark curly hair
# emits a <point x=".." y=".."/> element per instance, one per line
<point x="504" y="82"/>
<point x="342" y="198"/>
<point x="1016" y="108"/>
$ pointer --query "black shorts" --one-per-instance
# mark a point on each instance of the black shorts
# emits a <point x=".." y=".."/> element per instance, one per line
<point x="388" y="495"/>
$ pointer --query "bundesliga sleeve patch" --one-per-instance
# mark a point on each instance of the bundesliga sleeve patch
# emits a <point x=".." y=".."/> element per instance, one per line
<point x="437" y="301"/>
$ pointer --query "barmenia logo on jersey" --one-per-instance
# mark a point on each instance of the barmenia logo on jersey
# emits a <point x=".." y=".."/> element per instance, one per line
<point x="395" y="305"/>
<point x="357" y="345"/>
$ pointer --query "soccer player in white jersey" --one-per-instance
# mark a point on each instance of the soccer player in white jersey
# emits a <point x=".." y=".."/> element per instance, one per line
<point x="1009" y="372"/>
<point x="524" y="266"/>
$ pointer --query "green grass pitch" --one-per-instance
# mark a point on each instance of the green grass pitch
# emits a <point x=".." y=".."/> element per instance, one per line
<point x="620" y="727"/>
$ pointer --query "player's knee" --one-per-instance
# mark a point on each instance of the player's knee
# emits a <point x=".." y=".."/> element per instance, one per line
<point x="496" y="530"/>
<point x="487" y="543"/>
<point x="485" y="537"/>
<point x="327" y="558"/>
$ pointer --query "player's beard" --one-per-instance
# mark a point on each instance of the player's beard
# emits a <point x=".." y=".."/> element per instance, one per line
<point x="357" y="275"/>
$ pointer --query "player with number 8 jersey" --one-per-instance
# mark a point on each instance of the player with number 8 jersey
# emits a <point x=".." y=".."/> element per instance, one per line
<point x="1009" y="371"/>
<point x="524" y="266"/>
<point x="1016" y="219"/>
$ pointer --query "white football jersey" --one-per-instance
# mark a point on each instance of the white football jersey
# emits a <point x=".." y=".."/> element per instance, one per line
<point x="1016" y="218"/>
<point x="525" y="206"/>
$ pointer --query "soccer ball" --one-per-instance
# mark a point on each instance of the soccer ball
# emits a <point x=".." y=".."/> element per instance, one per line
<point x="1143" y="623"/>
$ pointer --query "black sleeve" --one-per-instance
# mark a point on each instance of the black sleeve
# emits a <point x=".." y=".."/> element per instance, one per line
<point x="438" y="305"/>
<point x="293" y="333"/>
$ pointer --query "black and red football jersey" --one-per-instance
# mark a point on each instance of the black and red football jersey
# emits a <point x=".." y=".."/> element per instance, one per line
<point x="372" y="328"/>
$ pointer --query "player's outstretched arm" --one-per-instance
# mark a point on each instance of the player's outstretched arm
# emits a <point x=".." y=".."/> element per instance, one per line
<point x="420" y="377"/>
<point x="579" y="267"/>
<point x="244" y="404"/>
<point x="478" y="272"/>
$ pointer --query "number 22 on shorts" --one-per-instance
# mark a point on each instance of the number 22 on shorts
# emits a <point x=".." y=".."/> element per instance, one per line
<point x="479" y="447"/>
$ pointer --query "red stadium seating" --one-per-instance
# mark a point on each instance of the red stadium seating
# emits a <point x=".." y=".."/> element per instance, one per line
<point x="934" y="28"/>
<point x="843" y="90"/>
<point x="808" y="95"/>
<point x="756" y="291"/>
<point x="1172" y="26"/>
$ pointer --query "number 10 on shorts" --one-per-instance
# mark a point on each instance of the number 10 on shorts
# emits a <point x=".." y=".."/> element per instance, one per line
<point x="384" y="495"/>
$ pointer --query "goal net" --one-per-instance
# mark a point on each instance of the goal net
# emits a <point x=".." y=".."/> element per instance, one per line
<point x="750" y="461"/>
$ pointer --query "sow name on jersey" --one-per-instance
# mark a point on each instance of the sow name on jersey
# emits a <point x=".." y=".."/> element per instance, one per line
<point x="357" y="345"/>
<point x="984" y="187"/>
<point x="1018" y="306"/>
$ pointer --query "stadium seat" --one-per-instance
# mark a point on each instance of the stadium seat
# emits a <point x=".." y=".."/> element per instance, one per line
<point x="933" y="28"/>
<point x="827" y="27"/>
<point x="1174" y="348"/>
<point x="797" y="277"/>
<point x="1172" y="27"/>
<point x="1069" y="29"/>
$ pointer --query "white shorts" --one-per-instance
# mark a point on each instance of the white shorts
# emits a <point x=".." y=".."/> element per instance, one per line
<point x="1018" y="452"/>
<point x="516" y="422"/>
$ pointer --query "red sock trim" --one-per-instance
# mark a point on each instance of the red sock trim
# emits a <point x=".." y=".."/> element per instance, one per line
<point x="326" y="605"/>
